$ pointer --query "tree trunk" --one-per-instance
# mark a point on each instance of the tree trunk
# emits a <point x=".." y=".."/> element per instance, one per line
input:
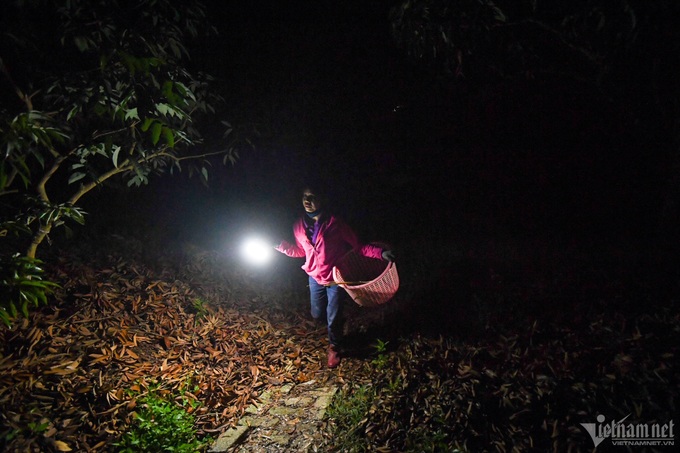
<point x="39" y="236"/>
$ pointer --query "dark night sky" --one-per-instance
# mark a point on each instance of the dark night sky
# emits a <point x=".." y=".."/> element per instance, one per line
<point x="320" y="80"/>
<point x="410" y="156"/>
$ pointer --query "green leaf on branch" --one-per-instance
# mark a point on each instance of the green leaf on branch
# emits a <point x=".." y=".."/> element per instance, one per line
<point x="156" y="132"/>
<point x="132" y="114"/>
<point x="82" y="43"/>
<point x="73" y="112"/>
<point x="75" y="177"/>
<point x="168" y="93"/>
<point x="147" y="124"/>
<point x="114" y="157"/>
<point x="169" y="137"/>
<point x="21" y="284"/>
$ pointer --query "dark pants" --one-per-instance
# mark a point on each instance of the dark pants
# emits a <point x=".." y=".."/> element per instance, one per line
<point x="326" y="302"/>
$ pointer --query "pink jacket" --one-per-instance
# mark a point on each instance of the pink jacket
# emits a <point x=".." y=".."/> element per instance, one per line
<point x="334" y="240"/>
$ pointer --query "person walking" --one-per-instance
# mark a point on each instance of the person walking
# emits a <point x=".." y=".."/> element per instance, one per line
<point x="323" y="239"/>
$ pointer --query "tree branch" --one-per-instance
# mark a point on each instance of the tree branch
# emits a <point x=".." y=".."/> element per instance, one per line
<point x="23" y="96"/>
<point x="558" y="37"/>
<point x="198" y="156"/>
<point x="85" y="188"/>
<point x="40" y="188"/>
<point x="126" y="165"/>
<point x="10" y="179"/>
<point x="104" y="134"/>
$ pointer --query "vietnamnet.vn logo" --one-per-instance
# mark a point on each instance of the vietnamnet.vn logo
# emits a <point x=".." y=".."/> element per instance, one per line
<point x="630" y="434"/>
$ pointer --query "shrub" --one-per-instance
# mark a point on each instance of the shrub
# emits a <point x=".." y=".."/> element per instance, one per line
<point x="21" y="286"/>
<point x="161" y="426"/>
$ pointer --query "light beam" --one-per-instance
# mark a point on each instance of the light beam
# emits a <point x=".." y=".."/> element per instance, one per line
<point x="257" y="251"/>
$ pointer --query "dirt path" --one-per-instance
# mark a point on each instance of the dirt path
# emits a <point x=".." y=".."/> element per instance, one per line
<point x="285" y="419"/>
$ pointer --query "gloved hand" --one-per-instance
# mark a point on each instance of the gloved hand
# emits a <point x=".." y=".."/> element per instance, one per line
<point x="388" y="255"/>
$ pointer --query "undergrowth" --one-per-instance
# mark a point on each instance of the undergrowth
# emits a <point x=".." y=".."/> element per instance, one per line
<point x="162" y="426"/>
<point x="527" y="385"/>
<point x="349" y="411"/>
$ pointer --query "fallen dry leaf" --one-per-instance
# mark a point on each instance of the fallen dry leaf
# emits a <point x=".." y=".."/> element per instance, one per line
<point x="61" y="446"/>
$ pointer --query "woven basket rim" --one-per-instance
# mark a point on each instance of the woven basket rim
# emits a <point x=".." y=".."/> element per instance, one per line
<point x="387" y="269"/>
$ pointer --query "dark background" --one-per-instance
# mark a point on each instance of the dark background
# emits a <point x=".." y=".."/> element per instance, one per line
<point x="524" y="173"/>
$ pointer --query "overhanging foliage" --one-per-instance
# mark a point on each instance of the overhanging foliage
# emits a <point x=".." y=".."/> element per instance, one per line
<point x="96" y="90"/>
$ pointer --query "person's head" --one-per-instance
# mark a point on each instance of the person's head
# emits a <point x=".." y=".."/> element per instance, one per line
<point x="314" y="198"/>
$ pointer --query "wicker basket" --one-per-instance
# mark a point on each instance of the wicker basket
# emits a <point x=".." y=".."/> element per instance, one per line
<point x="369" y="282"/>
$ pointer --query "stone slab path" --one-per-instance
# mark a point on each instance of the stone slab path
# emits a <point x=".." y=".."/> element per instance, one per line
<point x="286" y="419"/>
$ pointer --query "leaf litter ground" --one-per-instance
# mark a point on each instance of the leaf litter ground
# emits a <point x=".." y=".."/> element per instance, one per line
<point x="200" y="329"/>
<point x="72" y="373"/>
